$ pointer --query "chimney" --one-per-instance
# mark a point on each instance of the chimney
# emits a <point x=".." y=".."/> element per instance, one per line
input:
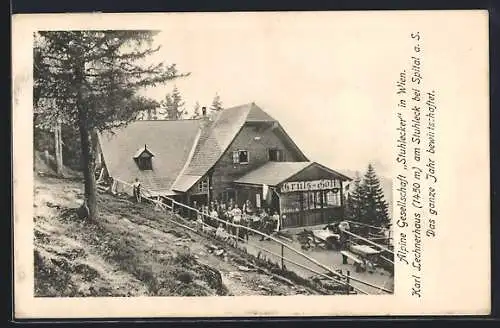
<point x="204" y="118"/>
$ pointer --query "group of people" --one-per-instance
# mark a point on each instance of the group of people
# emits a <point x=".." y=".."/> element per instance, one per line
<point x="219" y="215"/>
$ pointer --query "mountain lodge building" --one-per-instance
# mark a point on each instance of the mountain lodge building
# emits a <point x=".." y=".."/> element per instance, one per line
<point x="239" y="153"/>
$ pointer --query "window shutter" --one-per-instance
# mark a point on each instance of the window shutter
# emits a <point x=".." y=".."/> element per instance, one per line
<point x="236" y="157"/>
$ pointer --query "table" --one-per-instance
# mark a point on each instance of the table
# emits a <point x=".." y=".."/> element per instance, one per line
<point x="364" y="250"/>
<point x="324" y="234"/>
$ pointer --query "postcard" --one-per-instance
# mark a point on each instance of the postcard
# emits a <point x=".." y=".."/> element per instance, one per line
<point x="251" y="164"/>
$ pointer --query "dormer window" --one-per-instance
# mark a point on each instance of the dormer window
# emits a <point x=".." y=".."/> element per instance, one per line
<point x="143" y="158"/>
<point x="240" y="157"/>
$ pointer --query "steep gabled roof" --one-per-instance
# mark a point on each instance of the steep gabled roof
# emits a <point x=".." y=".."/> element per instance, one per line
<point x="273" y="173"/>
<point x="218" y="136"/>
<point x="256" y="114"/>
<point x="185" y="150"/>
<point x="171" y="142"/>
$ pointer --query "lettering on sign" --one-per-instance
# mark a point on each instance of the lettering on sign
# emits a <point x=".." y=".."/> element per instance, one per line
<point x="310" y="185"/>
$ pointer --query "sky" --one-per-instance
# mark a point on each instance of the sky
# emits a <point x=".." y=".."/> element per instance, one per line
<point x="326" y="80"/>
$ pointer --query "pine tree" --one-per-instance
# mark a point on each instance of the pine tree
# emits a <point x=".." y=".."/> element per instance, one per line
<point x="216" y="104"/>
<point x="151" y="113"/>
<point x="196" y="111"/>
<point x="91" y="79"/>
<point x="354" y="200"/>
<point x="374" y="206"/>
<point x="173" y="105"/>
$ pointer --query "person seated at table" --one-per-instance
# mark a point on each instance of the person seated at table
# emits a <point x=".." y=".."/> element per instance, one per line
<point x="221" y="233"/>
<point x="263" y="214"/>
<point x="370" y="266"/>
<point x="217" y="205"/>
<point x="255" y="220"/>
<point x="199" y="224"/>
<point x="343" y="238"/>
<point x="229" y="217"/>
<point x="245" y="222"/>
<point x="213" y="217"/>
<point x="267" y="226"/>
<point x="262" y="221"/>
<point x="221" y="211"/>
<point x="344" y="225"/>
<point x="199" y="213"/>
<point x="332" y="227"/>
<point x="248" y="207"/>
<point x="193" y="214"/>
<point x="236" y="213"/>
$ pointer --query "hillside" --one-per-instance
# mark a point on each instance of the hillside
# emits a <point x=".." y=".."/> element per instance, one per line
<point x="133" y="250"/>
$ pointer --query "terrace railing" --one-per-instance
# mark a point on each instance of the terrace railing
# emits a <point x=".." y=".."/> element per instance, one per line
<point x="170" y="205"/>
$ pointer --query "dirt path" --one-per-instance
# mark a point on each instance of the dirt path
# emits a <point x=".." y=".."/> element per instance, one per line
<point x="130" y="251"/>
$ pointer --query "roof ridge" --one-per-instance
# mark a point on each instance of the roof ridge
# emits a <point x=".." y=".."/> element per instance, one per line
<point x="189" y="158"/>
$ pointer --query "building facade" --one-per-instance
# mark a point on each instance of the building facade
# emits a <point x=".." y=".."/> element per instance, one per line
<point x="238" y="154"/>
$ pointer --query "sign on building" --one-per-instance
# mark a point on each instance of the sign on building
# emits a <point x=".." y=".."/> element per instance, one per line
<point x="309" y="185"/>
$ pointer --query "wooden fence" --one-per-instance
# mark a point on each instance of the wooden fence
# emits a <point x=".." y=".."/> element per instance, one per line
<point x="171" y="205"/>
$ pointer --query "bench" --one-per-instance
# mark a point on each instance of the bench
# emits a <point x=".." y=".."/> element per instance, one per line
<point x="352" y="256"/>
<point x="359" y="263"/>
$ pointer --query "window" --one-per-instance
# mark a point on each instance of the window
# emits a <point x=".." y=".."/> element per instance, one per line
<point x="313" y="199"/>
<point x="144" y="162"/>
<point x="290" y="203"/>
<point x="332" y="198"/>
<point x="203" y="186"/>
<point x="276" y="155"/>
<point x="240" y="157"/>
<point x="143" y="159"/>
<point x="228" y="194"/>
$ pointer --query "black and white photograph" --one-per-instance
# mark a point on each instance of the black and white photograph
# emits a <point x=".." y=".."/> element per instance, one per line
<point x="237" y="154"/>
<point x="146" y="186"/>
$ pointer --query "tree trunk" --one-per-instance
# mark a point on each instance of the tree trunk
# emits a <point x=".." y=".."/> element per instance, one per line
<point x="88" y="164"/>
<point x="58" y="148"/>
<point x="86" y="147"/>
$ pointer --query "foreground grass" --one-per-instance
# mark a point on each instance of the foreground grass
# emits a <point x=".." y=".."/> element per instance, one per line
<point x="131" y="250"/>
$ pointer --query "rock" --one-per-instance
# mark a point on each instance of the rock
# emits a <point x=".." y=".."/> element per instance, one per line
<point x="235" y="274"/>
<point x="185" y="277"/>
<point x="219" y="252"/>
<point x="83" y="211"/>
<point x="244" y="268"/>
<point x="264" y="288"/>
<point x="213" y="278"/>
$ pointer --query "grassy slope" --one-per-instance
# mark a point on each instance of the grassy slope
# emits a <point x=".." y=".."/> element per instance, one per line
<point x="131" y="250"/>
